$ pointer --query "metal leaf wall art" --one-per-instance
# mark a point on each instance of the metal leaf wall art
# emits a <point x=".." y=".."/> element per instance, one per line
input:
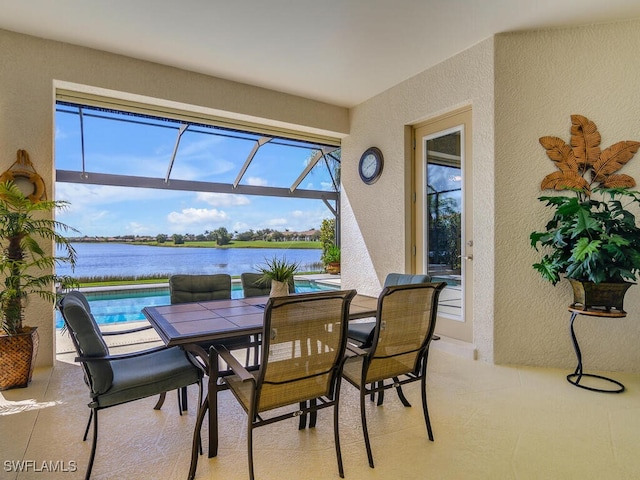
<point x="582" y="165"/>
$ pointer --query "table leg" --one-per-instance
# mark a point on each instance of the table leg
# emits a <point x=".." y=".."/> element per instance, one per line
<point x="575" y="377"/>
<point x="212" y="395"/>
<point x="209" y="362"/>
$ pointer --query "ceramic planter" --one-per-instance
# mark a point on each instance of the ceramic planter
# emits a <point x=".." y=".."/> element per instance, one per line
<point x="279" y="289"/>
<point x="608" y="296"/>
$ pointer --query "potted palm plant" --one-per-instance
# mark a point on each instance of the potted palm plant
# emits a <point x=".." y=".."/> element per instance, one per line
<point x="592" y="238"/>
<point x="280" y="272"/>
<point x="25" y="268"/>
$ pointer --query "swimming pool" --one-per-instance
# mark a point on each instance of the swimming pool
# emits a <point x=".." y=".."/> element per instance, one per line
<point x="119" y="306"/>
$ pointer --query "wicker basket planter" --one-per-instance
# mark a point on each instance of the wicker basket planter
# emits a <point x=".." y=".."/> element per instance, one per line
<point x="17" y="358"/>
<point x="608" y="296"/>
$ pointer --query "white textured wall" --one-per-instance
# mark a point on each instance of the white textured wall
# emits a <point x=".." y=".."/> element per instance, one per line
<point x="375" y="217"/>
<point x="541" y="79"/>
<point x="30" y="68"/>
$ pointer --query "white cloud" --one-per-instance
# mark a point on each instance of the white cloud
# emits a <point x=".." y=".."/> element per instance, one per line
<point x="300" y="220"/>
<point x="276" y="222"/>
<point x="257" y="181"/>
<point x="81" y="195"/>
<point x="137" y="228"/>
<point x="223" y="199"/>
<point x="194" y="169"/>
<point x="60" y="134"/>
<point x="201" y="147"/>
<point x="241" y="227"/>
<point x="195" y="216"/>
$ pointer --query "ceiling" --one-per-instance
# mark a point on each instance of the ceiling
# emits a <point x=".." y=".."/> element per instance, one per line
<point x="337" y="51"/>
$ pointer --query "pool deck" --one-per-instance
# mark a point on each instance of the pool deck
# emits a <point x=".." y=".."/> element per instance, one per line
<point x="323" y="278"/>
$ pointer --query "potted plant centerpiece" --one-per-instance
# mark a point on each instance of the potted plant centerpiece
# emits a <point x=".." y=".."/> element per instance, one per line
<point x="25" y="270"/>
<point x="331" y="259"/>
<point x="592" y="238"/>
<point x="280" y="273"/>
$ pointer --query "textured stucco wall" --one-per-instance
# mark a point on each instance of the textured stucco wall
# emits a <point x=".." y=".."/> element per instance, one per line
<point x="31" y="69"/>
<point x="541" y="79"/>
<point x="375" y="217"/>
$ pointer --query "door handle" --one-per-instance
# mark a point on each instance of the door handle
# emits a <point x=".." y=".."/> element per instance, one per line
<point x="466" y="257"/>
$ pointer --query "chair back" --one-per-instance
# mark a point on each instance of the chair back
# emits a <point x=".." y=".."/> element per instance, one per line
<point x="253" y="285"/>
<point x="87" y="340"/>
<point x="405" y="278"/>
<point x="304" y="340"/>
<point x="199" y="288"/>
<point x="405" y="323"/>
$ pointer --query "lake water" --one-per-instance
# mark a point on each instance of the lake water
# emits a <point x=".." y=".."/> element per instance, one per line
<point x="118" y="259"/>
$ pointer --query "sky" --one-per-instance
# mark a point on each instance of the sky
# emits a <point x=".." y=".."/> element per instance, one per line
<point x="144" y="147"/>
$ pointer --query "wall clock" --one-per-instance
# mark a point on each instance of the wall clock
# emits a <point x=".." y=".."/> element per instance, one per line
<point x="370" y="167"/>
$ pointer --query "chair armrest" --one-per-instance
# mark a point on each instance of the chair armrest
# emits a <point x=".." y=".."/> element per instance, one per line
<point x="124" y="332"/>
<point x="120" y="356"/>
<point x="235" y="366"/>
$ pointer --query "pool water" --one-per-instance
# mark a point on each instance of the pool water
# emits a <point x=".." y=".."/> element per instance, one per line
<point x="119" y="306"/>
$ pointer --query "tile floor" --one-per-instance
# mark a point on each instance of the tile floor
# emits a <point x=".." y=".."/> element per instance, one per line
<point x="490" y="422"/>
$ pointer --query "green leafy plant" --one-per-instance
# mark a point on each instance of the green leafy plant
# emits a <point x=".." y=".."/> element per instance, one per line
<point x="331" y="255"/>
<point x="278" y="269"/>
<point x="589" y="239"/>
<point x="23" y="258"/>
<point x="327" y="235"/>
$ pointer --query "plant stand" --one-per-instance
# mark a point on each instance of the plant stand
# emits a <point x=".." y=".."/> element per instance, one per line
<point x="576" y="377"/>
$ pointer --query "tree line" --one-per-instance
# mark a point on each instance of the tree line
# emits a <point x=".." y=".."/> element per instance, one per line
<point x="221" y="236"/>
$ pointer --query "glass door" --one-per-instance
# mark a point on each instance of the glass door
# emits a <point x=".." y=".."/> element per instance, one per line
<point x="443" y="220"/>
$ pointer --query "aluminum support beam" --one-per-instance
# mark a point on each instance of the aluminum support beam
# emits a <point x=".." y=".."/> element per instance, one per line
<point x="70" y="176"/>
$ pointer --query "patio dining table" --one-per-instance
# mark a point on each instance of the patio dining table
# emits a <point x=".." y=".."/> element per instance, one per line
<point x="191" y="324"/>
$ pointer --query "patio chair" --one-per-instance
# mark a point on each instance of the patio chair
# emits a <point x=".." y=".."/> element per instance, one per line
<point x="118" y="379"/>
<point x="404" y="328"/>
<point x="362" y="332"/>
<point x="199" y="288"/>
<point x="254" y="286"/>
<point x="304" y="339"/>
<point x="118" y="333"/>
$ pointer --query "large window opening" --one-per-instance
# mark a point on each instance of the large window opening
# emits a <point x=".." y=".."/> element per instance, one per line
<point x="189" y="176"/>
<point x="132" y="173"/>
